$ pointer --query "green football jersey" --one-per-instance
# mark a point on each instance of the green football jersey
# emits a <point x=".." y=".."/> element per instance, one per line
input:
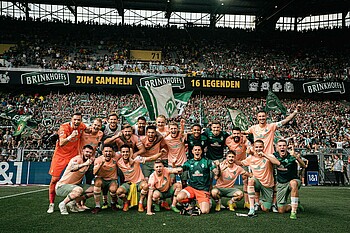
<point x="288" y="169"/>
<point x="192" y="141"/>
<point x="199" y="173"/>
<point x="216" y="144"/>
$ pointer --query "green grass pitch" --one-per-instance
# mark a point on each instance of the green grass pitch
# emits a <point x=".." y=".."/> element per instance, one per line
<point x="23" y="209"/>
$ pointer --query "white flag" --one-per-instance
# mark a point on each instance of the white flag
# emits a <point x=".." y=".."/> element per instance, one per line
<point x="159" y="101"/>
<point x="238" y="118"/>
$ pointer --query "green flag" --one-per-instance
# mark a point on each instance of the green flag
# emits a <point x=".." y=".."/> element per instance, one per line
<point x="273" y="103"/>
<point x="181" y="100"/>
<point x="124" y="110"/>
<point x="21" y="124"/>
<point x="277" y="137"/>
<point x="131" y="117"/>
<point x="159" y="101"/>
<point x="238" y="118"/>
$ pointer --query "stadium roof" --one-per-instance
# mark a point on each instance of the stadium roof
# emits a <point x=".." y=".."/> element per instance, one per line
<point x="265" y="8"/>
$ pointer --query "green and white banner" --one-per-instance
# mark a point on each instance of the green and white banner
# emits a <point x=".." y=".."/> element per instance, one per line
<point x="132" y="117"/>
<point x="238" y="119"/>
<point x="159" y="101"/>
<point x="181" y="100"/>
<point x="273" y="103"/>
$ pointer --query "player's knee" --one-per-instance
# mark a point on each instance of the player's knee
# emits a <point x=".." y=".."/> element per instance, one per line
<point x="121" y="191"/>
<point x="215" y="192"/>
<point x="98" y="182"/>
<point x="113" y="189"/>
<point x="239" y="195"/>
<point x="251" y="182"/>
<point x="205" y="209"/>
<point x="144" y="186"/>
<point x="181" y="196"/>
<point x="293" y="184"/>
<point x="281" y="210"/>
<point x="156" y="195"/>
<point x="265" y="208"/>
<point x="77" y="191"/>
<point x="54" y="179"/>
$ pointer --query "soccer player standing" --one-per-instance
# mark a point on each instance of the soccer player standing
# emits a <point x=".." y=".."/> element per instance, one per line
<point x="153" y="143"/>
<point x="239" y="144"/>
<point x="266" y="132"/>
<point x="216" y="141"/>
<point x="262" y="181"/>
<point x="67" y="147"/>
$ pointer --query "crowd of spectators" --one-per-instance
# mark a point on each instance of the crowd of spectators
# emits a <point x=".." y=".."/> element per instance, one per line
<point x="220" y="52"/>
<point x="321" y="124"/>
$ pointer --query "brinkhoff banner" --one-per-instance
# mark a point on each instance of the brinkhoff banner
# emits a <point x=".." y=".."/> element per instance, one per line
<point x="129" y="81"/>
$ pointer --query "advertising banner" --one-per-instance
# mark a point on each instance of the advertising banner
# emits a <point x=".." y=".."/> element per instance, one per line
<point x="179" y="82"/>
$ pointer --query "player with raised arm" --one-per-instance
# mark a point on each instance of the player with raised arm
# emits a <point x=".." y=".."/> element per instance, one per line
<point x="266" y="132"/>
<point x="67" y="147"/>
<point x="175" y="142"/>
<point x="238" y="143"/>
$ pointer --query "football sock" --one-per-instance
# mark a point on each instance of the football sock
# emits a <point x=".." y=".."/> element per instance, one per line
<point x="294" y="202"/>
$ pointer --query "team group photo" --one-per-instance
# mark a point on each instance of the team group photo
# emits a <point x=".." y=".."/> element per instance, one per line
<point x="167" y="115"/>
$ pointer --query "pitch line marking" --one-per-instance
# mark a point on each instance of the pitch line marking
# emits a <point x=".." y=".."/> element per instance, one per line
<point x="20" y="194"/>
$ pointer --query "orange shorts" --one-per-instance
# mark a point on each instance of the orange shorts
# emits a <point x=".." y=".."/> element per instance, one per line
<point x="200" y="195"/>
<point x="58" y="164"/>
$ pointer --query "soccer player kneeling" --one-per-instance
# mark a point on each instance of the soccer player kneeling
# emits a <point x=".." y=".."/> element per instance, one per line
<point x="288" y="181"/>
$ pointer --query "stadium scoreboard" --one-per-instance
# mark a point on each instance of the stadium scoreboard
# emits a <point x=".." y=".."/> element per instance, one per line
<point x="146" y="55"/>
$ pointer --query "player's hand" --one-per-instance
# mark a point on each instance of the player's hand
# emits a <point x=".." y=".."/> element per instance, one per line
<point x="216" y="162"/>
<point x="163" y="151"/>
<point x="260" y="154"/>
<point x="182" y="122"/>
<point x="291" y="150"/>
<point x="250" y="150"/>
<point x="118" y="135"/>
<point x="74" y="133"/>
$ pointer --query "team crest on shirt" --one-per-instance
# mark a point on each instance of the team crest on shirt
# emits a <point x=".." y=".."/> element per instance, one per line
<point x="229" y="177"/>
<point x="165" y="181"/>
<point x="197" y="173"/>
